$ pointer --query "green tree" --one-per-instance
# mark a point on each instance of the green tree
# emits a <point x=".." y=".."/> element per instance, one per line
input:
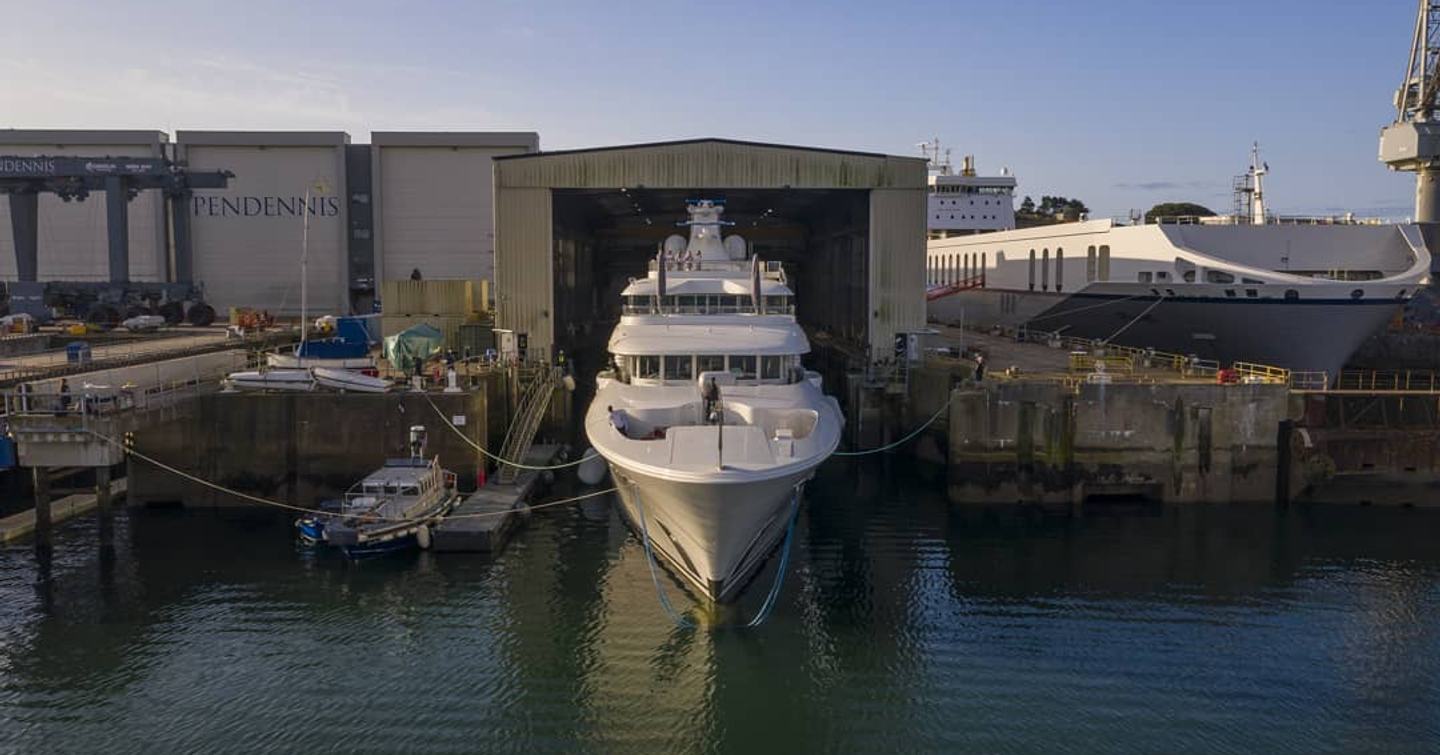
<point x="1178" y="210"/>
<point x="1027" y="206"/>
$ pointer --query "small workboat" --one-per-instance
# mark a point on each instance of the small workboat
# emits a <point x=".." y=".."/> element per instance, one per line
<point x="349" y="380"/>
<point x="272" y="380"/>
<point x="392" y="509"/>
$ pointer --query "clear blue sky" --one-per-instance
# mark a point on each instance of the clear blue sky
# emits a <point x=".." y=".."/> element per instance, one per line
<point x="1120" y="103"/>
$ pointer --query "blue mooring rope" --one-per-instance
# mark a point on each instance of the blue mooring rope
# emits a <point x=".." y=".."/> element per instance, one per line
<point x="765" y="608"/>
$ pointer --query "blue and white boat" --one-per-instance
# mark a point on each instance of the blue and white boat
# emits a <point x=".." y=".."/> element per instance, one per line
<point x="392" y="509"/>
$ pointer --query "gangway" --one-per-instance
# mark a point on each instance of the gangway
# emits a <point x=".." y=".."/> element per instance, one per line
<point x="964" y="284"/>
<point x="529" y="414"/>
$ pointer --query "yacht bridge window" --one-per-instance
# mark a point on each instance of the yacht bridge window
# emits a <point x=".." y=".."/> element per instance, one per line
<point x="682" y="369"/>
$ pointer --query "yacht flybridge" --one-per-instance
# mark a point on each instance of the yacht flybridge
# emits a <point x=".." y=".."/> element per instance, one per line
<point x="708" y="421"/>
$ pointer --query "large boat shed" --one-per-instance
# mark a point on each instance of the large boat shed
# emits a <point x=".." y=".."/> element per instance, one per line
<point x="572" y="228"/>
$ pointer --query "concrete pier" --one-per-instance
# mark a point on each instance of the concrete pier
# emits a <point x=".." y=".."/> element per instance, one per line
<point x="25" y="523"/>
<point x="1047" y="444"/>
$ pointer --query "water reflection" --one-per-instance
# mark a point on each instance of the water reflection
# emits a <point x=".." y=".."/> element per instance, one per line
<point x="905" y="623"/>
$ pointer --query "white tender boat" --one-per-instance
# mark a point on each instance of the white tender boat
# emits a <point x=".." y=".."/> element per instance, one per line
<point x="347" y="380"/>
<point x="272" y="380"/>
<point x="709" y="423"/>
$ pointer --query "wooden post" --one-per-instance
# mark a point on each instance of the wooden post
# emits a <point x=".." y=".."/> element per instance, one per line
<point x="41" y="477"/>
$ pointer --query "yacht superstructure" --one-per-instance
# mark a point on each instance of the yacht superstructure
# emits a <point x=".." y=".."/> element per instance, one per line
<point x="708" y="421"/>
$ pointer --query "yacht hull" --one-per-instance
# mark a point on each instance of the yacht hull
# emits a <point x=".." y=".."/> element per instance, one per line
<point x="714" y="535"/>
<point x="1303" y="335"/>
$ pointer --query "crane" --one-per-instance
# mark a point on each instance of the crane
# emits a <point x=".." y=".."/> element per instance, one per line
<point x="1412" y="142"/>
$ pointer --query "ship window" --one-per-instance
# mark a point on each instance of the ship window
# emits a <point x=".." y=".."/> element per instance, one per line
<point x="1032" y="269"/>
<point x="770" y="368"/>
<point x="1230" y="292"/>
<point x="1059" y="268"/>
<point x="1291" y="293"/>
<point x="678" y="368"/>
<point x="410" y="490"/>
<point x="1162" y="275"/>
<point x="742" y="367"/>
<point x="1189" y="276"/>
<point x="1044" y="269"/>
<point x="1252" y="293"/>
<point x="710" y="363"/>
<point x="1090" y="265"/>
<point x="1357" y="293"/>
<point x="391" y="487"/>
<point x="1252" y="282"/>
<point x="1216" y="276"/>
<point x="686" y="303"/>
<point x="776" y="303"/>
<point x="1104" y="271"/>
<point x="1145" y="277"/>
<point x="647" y="367"/>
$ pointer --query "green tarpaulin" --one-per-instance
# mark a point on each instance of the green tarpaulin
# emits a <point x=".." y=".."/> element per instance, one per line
<point x="415" y="343"/>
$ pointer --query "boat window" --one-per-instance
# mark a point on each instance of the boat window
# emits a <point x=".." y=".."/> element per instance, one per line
<point x="1217" y="276"/>
<point x="770" y="368"/>
<point x="373" y="488"/>
<point x="1144" y="277"/>
<point x="1357" y="293"/>
<point x="1044" y="269"/>
<point x="1230" y="292"/>
<point x="1090" y="264"/>
<point x="1059" y="268"/>
<point x="743" y="367"/>
<point x="410" y="490"/>
<point x="647" y="367"/>
<point x="678" y="368"/>
<point x="392" y="488"/>
<point x="776" y="303"/>
<point x="1189" y="276"/>
<point x="1291" y="293"/>
<point x="1163" y="275"/>
<point x="1252" y="282"/>
<point x="686" y="303"/>
<point x="1104" y="271"/>
<point x="1032" y="269"/>
<point x="710" y="363"/>
<point x="1252" y="293"/>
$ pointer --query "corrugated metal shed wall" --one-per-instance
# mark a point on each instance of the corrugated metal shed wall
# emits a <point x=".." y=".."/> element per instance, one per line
<point x="524" y="291"/>
<point x="523" y="257"/>
<point x="897" y="269"/>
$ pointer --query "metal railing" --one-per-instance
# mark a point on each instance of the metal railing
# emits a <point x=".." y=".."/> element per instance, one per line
<point x="770" y="269"/>
<point x="1263" y="373"/>
<point x="707" y="309"/>
<point x="57" y="363"/>
<point x="1392" y="381"/>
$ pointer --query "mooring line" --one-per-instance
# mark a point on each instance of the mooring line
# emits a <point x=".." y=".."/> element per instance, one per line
<point x="903" y="440"/>
<point x="497" y="459"/>
<point x="304" y="510"/>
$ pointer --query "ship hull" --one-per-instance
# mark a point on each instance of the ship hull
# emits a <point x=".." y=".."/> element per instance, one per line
<point x="714" y="535"/>
<point x="1303" y="335"/>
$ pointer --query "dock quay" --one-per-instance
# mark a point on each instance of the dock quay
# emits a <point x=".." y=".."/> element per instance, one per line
<point x="484" y="521"/>
<point x="24" y="523"/>
<point x="1055" y="423"/>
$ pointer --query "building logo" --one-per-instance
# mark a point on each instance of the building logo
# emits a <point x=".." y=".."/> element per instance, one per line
<point x="264" y="206"/>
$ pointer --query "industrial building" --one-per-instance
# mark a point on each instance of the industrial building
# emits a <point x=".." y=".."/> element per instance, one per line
<point x="572" y="227"/>
<point x="366" y="213"/>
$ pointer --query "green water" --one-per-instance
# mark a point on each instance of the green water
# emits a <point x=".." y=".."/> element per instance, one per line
<point x="905" y="624"/>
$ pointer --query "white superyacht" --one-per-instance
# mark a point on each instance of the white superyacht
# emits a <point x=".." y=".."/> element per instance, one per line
<point x="709" y="423"/>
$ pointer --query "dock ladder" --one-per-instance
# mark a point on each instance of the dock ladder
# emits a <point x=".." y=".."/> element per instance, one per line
<point x="534" y="402"/>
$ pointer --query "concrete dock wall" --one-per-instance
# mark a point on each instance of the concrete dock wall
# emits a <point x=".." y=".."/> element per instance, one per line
<point x="1043" y="443"/>
<point x="298" y="448"/>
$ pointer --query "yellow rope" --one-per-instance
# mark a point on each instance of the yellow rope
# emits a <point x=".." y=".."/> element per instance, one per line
<point x="304" y="510"/>
<point x="497" y="459"/>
